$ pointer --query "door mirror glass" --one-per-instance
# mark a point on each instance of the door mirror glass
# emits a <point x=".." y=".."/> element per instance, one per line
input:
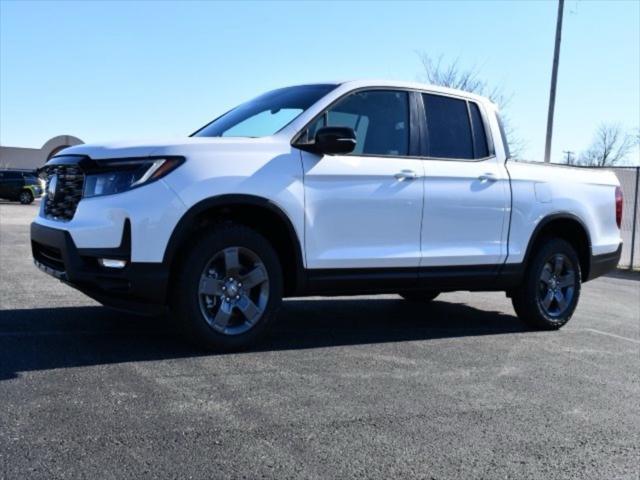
<point x="335" y="140"/>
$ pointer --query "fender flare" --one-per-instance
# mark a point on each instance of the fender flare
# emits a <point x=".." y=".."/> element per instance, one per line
<point x="179" y="234"/>
<point x="551" y="218"/>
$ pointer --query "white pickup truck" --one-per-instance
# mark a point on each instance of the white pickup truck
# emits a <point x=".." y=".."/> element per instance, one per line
<point x="347" y="188"/>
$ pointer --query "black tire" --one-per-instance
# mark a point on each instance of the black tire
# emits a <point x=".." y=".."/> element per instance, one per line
<point x="25" y="197"/>
<point x="197" y="311"/>
<point x="422" y="296"/>
<point x="530" y="299"/>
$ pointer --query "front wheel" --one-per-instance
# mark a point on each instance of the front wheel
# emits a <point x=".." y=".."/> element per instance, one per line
<point x="25" y="197"/>
<point x="228" y="289"/>
<point x="550" y="291"/>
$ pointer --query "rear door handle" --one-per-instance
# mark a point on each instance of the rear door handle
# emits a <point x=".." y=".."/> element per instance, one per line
<point x="406" y="175"/>
<point x="488" y="177"/>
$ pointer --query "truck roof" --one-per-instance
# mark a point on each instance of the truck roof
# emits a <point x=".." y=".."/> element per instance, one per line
<point x="413" y="86"/>
<point x="426" y="87"/>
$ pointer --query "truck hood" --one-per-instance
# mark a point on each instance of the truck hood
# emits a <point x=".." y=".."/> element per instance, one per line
<point x="179" y="146"/>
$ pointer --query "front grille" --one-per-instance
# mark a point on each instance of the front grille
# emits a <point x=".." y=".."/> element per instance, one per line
<point x="70" y="182"/>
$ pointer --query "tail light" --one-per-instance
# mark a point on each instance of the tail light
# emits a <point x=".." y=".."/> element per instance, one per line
<point x="619" y="201"/>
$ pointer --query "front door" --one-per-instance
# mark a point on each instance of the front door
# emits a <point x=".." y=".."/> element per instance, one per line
<point x="364" y="209"/>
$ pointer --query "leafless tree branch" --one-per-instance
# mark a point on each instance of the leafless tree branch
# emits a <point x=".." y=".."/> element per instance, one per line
<point x="610" y="146"/>
<point x="438" y="72"/>
<point x="451" y="75"/>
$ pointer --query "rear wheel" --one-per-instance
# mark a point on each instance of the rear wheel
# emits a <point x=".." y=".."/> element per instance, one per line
<point x="550" y="291"/>
<point x="25" y="197"/>
<point x="423" y="296"/>
<point x="229" y="288"/>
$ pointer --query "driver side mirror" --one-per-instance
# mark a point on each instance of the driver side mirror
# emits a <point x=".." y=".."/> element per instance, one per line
<point x="332" y="141"/>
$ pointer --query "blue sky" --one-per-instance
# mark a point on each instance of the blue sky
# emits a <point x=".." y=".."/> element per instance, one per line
<point x="121" y="70"/>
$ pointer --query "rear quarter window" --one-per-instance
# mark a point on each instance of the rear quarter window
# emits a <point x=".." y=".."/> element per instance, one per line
<point x="480" y="146"/>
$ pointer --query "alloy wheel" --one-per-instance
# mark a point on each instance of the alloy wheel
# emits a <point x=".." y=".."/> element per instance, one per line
<point x="233" y="290"/>
<point x="557" y="285"/>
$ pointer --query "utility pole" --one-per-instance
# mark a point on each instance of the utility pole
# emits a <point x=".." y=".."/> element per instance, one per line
<point x="554" y="81"/>
<point x="570" y="156"/>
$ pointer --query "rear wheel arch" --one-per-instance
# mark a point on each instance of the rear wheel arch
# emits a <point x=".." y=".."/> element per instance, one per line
<point x="568" y="227"/>
<point x="255" y="212"/>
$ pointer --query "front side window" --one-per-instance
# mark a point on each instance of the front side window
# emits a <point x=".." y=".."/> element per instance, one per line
<point x="380" y="119"/>
<point x="449" y="130"/>
<point x="266" y="114"/>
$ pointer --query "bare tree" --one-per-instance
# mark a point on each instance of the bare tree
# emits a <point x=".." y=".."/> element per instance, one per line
<point x="452" y="75"/>
<point x="610" y="146"/>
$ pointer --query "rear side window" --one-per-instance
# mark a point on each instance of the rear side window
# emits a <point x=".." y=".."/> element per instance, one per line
<point x="449" y="130"/>
<point x="380" y="119"/>
<point x="480" y="148"/>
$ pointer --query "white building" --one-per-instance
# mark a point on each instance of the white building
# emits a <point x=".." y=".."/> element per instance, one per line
<point x="32" y="158"/>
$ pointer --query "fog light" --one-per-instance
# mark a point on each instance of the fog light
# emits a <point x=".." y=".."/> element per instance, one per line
<point x="112" y="263"/>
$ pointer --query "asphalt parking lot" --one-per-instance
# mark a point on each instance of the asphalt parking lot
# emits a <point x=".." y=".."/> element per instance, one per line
<point x="342" y="388"/>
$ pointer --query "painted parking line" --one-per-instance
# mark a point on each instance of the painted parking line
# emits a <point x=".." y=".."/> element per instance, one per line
<point x="613" y="335"/>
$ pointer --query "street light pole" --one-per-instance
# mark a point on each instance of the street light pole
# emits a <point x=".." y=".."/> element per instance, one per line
<point x="554" y="81"/>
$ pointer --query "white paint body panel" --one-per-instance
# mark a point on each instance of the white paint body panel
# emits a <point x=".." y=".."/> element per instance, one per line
<point x="466" y="216"/>
<point x="348" y="211"/>
<point x="98" y="222"/>
<point x="589" y="195"/>
<point x="358" y="215"/>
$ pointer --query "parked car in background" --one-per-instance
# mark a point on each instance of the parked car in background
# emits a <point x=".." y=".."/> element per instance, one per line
<point x="326" y="189"/>
<point x="23" y="186"/>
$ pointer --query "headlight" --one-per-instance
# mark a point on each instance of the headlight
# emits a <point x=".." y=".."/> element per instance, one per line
<point x="116" y="176"/>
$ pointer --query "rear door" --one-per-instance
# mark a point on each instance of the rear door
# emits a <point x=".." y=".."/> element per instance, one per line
<point x="465" y="220"/>
<point x="363" y="210"/>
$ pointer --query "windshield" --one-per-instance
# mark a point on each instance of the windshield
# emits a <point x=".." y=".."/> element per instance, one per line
<point x="266" y="114"/>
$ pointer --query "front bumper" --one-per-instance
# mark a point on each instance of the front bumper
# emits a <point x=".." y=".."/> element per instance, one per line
<point x="138" y="287"/>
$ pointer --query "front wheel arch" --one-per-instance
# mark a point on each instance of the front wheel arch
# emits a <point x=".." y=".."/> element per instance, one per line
<point x="258" y="213"/>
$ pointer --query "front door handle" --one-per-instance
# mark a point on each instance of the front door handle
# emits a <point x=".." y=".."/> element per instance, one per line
<point x="406" y="175"/>
<point x="488" y="177"/>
